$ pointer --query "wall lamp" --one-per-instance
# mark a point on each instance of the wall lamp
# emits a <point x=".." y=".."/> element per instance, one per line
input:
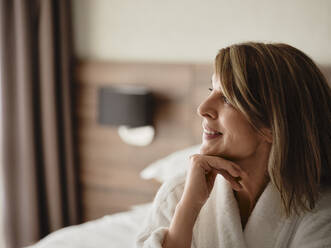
<point x="130" y="108"/>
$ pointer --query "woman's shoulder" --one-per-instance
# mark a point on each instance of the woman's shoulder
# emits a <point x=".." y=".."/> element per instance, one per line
<point x="325" y="198"/>
<point x="322" y="208"/>
<point x="314" y="229"/>
<point x="323" y="205"/>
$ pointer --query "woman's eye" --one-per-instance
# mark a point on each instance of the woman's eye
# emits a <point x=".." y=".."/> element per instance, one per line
<point x="225" y="100"/>
<point x="223" y="97"/>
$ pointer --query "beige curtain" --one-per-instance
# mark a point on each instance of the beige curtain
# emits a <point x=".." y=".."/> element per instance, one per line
<point x="40" y="174"/>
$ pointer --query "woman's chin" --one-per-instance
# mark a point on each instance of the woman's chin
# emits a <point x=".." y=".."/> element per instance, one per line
<point x="208" y="150"/>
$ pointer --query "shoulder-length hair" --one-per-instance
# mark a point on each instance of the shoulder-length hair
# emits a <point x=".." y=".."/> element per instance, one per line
<point x="279" y="87"/>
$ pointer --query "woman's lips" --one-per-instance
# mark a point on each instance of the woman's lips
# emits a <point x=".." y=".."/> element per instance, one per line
<point x="210" y="134"/>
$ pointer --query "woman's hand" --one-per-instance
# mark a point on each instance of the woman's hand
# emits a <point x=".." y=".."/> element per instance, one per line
<point x="201" y="177"/>
<point x="199" y="183"/>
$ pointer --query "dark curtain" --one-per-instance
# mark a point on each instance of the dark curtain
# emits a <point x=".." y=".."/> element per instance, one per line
<point x="40" y="173"/>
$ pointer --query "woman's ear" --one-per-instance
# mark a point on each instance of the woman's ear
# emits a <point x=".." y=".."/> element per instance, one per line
<point x="267" y="134"/>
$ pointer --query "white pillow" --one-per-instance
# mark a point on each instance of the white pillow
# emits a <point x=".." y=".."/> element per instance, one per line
<point x="170" y="166"/>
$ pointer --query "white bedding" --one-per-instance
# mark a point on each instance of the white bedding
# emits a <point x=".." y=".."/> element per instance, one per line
<point x="119" y="230"/>
<point x="111" y="231"/>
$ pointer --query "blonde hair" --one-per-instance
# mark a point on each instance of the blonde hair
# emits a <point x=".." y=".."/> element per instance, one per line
<point x="279" y="87"/>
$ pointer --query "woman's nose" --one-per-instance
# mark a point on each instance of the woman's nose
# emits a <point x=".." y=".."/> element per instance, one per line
<point x="207" y="109"/>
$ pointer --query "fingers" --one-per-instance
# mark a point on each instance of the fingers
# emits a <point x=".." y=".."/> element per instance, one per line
<point x="218" y="163"/>
<point x="233" y="181"/>
<point x="228" y="169"/>
<point x="199" y="161"/>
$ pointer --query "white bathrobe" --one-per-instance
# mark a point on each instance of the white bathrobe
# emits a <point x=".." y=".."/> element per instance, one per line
<point x="219" y="225"/>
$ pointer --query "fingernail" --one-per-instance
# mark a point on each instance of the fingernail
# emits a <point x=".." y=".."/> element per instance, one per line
<point x="239" y="185"/>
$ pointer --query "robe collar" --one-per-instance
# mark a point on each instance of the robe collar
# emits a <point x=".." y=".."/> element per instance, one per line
<point x="266" y="226"/>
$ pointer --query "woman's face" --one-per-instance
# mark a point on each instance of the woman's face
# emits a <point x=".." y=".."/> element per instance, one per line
<point x="226" y="131"/>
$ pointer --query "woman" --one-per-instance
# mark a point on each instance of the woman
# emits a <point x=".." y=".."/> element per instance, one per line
<point x="263" y="175"/>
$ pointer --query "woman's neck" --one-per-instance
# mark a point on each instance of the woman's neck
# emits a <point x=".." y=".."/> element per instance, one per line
<point x="247" y="201"/>
<point x="256" y="168"/>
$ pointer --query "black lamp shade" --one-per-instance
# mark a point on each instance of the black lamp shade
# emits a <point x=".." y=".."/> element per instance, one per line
<point x="125" y="105"/>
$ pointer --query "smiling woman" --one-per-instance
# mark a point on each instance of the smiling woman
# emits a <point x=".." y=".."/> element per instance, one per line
<point x="264" y="162"/>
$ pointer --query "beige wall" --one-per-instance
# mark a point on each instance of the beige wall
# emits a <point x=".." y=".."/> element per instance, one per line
<point x="193" y="30"/>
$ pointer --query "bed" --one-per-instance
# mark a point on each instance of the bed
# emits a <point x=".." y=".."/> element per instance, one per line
<point x="119" y="230"/>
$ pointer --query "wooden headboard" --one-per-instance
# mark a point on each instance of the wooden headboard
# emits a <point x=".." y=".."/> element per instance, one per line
<point x="109" y="168"/>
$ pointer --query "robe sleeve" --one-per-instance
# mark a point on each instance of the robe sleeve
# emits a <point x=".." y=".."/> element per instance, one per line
<point x="158" y="220"/>
<point x="314" y="231"/>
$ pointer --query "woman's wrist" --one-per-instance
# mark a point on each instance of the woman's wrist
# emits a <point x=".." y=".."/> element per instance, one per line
<point x="191" y="209"/>
<point x="181" y="227"/>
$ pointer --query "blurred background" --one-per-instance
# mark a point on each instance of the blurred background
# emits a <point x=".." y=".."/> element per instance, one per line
<point x="63" y="161"/>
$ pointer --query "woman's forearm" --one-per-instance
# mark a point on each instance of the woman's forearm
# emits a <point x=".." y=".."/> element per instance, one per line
<point x="181" y="227"/>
